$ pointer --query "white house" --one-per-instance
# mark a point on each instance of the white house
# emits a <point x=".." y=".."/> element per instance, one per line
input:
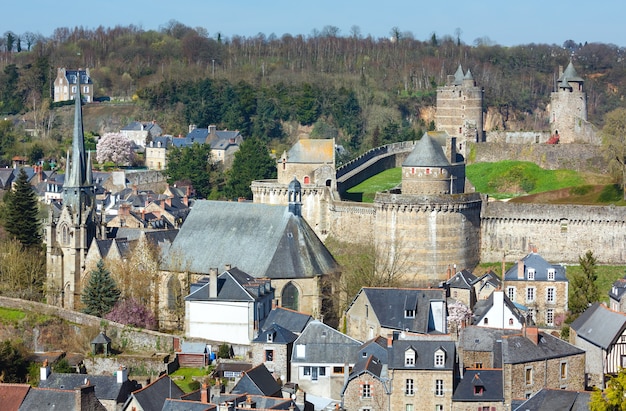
<point x="228" y="307"/>
<point x="497" y="311"/>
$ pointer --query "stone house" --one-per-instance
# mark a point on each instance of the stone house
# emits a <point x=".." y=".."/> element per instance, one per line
<point x="617" y="295"/>
<point x="479" y="388"/>
<point x="274" y="347"/>
<point x="601" y="332"/>
<point x="257" y="381"/>
<point x="153" y="396"/>
<point x="530" y="360"/>
<point x="486" y="284"/>
<point x="366" y="387"/>
<point x="156" y="152"/>
<point x="553" y="399"/>
<point x="141" y="132"/>
<point x="383" y="310"/>
<point x="229" y="307"/>
<point x="460" y="287"/>
<point x="541" y="287"/>
<point x="322" y="359"/>
<point x="66" y="82"/>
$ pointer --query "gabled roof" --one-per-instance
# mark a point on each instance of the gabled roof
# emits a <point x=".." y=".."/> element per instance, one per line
<point x="172" y="404"/>
<point x="464" y="279"/>
<point x="618" y="289"/>
<point x="489" y="278"/>
<point x="600" y="325"/>
<point x="106" y="386"/>
<point x="424" y="354"/>
<point x="266" y="241"/>
<point x="390" y="305"/>
<point x="12" y="395"/>
<point x="232" y="285"/>
<point x="258" y="381"/>
<point x="152" y="397"/>
<point x="482" y="308"/>
<point x="556" y="400"/>
<point x="312" y="151"/>
<point x="293" y="321"/>
<point x="518" y="349"/>
<point x="541" y="266"/>
<point x="325" y="345"/>
<point x="49" y="398"/>
<point x="376" y="347"/>
<point x="489" y="379"/>
<point x="279" y="335"/>
<point x="427" y="153"/>
<point x="370" y="365"/>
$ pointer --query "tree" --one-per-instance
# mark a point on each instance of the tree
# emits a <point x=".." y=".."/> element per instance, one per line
<point x="13" y="366"/>
<point x="131" y="312"/>
<point x="101" y="293"/>
<point x="612" y="398"/>
<point x="252" y="162"/>
<point x="21" y="218"/>
<point x="192" y="164"/>
<point x="584" y="290"/>
<point x="115" y="147"/>
<point x="22" y="270"/>
<point x="614" y="144"/>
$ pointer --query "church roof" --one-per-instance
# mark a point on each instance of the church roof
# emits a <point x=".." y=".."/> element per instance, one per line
<point x="458" y="76"/>
<point x="312" y="151"/>
<point x="427" y="153"/>
<point x="261" y="240"/>
<point x="570" y="74"/>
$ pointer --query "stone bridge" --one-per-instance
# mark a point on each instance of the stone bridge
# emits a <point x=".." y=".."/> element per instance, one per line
<point x="371" y="163"/>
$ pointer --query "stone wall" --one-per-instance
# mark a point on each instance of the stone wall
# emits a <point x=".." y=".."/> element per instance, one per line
<point x="518" y="137"/>
<point x="560" y="233"/>
<point x="123" y="337"/>
<point x="579" y="157"/>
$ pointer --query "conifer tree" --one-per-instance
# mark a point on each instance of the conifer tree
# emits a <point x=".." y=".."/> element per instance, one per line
<point x="21" y="219"/>
<point x="584" y="290"/>
<point x="101" y="293"/>
<point x="252" y="162"/>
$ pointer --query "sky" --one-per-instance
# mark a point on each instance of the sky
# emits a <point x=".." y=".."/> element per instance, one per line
<point x="502" y="22"/>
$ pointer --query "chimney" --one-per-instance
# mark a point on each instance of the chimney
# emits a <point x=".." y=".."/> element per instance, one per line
<point x="135" y="189"/>
<point x="186" y="201"/>
<point x="204" y="394"/>
<point x="532" y="333"/>
<point x="520" y="270"/>
<point x="84" y="396"/>
<point x="122" y="375"/>
<point x="212" y="282"/>
<point x="389" y="340"/>
<point x="44" y="371"/>
<point x="227" y="267"/>
<point x="212" y="129"/>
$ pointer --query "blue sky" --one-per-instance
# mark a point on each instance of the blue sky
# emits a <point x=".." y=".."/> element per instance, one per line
<point x="505" y="23"/>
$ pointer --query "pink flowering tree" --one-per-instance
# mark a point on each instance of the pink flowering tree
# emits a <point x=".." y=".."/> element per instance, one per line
<point x="459" y="315"/>
<point x="115" y="147"/>
<point x="131" y="312"/>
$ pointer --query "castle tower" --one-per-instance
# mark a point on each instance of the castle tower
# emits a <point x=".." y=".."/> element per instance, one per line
<point x="568" y="106"/>
<point x="72" y="225"/>
<point x="460" y="109"/>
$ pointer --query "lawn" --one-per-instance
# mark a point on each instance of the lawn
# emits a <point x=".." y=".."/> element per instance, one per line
<point x="366" y="191"/>
<point x="11" y="316"/>
<point x="188" y="383"/>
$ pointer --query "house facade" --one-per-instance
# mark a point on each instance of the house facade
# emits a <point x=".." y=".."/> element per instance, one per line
<point x="68" y="82"/>
<point x="541" y="287"/>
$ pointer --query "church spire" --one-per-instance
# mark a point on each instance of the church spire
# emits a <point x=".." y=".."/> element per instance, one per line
<point x="76" y="177"/>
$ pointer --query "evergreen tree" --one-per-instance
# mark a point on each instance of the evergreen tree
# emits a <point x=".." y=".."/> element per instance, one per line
<point x="21" y="217"/>
<point x="252" y="162"/>
<point x="192" y="164"/>
<point x="584" y="290"/>
<point x="101" y="293"/>
<point x="13" y="366"/>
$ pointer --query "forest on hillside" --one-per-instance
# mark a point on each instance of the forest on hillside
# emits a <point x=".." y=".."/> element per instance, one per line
<point x="361" y="90"/>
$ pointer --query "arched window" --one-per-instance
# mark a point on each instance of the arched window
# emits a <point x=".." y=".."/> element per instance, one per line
<point x="290" y="297"/>
<point x="307" y="180"/>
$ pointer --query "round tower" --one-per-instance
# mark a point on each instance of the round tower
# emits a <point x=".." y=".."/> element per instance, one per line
<point x="568" y="106"/>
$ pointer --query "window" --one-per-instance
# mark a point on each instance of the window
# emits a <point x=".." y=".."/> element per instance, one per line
<point x="510" y="292"/>
<point x="409" y="387"/>
<point x="478" y="389"/>
<point x="531" y="273"/>
<point x="440" y="358"/>
<point x="550" y="316"/>
<point x="550" y="291"/>
<point x="408" y="407"/>
<point x="322" y="371"/>
<point x="86" y="89"/>
<point x="563" y="370"/>
<point x="409" y="357"/>
<point x="551" y="274"/>
<point x="486" y="321"/>
<point x="529" y="375"/>
<point x="623" y="338"/>
<point x="439" y="388"/>
<point x="270" y="337"/>
<point x="366" y="391"/>
<point x="300" y="350"/>
<point x="269" y="355"/>
<point x="337" y="370"/>
<point x="478" y="365"/>
<point x="439" y="407"/>
<point x="409" y="313"/>
<point x="306" y="371"/>
<point x="530" y="294"/>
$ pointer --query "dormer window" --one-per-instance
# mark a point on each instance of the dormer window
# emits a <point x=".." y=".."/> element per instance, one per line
<point x="531" y="273"/>
<point x="270" y="337"/>
<point x="409" y="313"/>
<point x="478" y="389"/>
<point x="551" y="274"/>
<point x="440" y="358"/>
<point x="409" y="357"/>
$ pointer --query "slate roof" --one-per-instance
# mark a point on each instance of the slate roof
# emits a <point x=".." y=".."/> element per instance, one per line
<point x="232" y="285"/>
<point x="425" y="354"/>
<point x="489" y="278"/>
<point x="12" y="395"/>
<point x="482" y="339"/>
<point x="280" y="335"/>
<point x="556" y="400"/>
<point x="458" y="76"/>
<point x="263" y="240"/>
<point x="314" y="151"/>
<point x="183" y="405"/>
<point x="482" y="307"/>
<point x="153" y="396"/>
<point x="262" y="402"/>
<point x="518" y="349"/>
<point x="463" y="279"/>
<point x="293" y="321"/>
<point x="618" y="289"/>
<point x="370" y="365"/>
<point x="427" y="153"/>
<point x="106" y="386"/>
<point x="570" y="74"/>
<point x="389" y="305"/>
<point x="599" y="325"/>
<point x="325" y="345"/>
<point x="489" y="379"/>
<point x="187" y="347"/>
<point x="258" y="381"/>
<point x="376" y="347"/>
<point x="49" y="398"/>
<point x="149" y="126"/>
<point x="541" y="266"/>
